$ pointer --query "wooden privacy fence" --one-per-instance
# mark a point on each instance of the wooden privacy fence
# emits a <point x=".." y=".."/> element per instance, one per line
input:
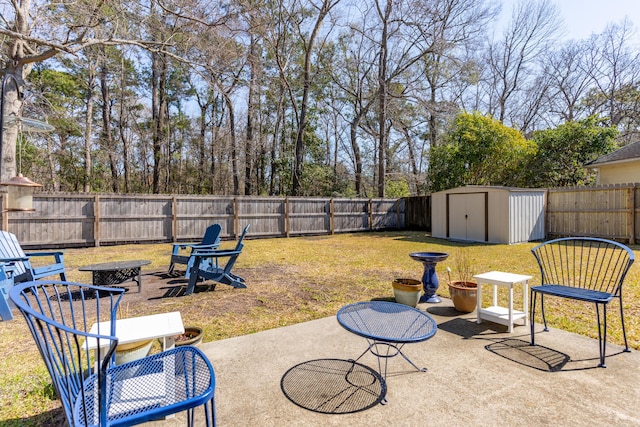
<point x="611" y="211"/>
<point x="418" y="213"/>
<point x="80" y="220"/>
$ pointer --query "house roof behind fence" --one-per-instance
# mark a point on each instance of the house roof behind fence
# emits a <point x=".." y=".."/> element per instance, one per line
<point x="626" y="153"/>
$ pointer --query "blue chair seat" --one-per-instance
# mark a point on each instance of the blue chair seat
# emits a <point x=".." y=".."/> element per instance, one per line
<point x="580" y="294"/>
<point x="150" y="388"/>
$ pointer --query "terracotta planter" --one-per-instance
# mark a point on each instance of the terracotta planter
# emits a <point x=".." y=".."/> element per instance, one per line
<point x="464" y="295"/>
<point x="192" y="336"/>
<point x="407" y="291"/>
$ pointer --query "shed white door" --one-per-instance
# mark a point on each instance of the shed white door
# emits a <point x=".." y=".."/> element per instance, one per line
<point x="467" y="217"/>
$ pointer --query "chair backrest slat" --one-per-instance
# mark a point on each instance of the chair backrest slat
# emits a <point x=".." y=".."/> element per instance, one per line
<point x="212" y="234"/>
<point x="239" y="247"/>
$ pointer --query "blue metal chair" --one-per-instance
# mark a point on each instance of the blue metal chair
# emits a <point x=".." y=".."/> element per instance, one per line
<point x="207" y="266"/>
<point x="60" y="316"/>
<point x="584" y="269"/>
<point x="183" y="252"/>
<point x="11" y="251"/>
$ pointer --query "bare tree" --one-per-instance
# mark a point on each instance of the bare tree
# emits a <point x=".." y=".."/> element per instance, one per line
<point x="451" y="28"/>
<point x="570" y="78"/>
<point x="36" y="30"/>
<point x="309" y="42"/>
<point x="614" y="68"/>
<point x="533" y="27"/>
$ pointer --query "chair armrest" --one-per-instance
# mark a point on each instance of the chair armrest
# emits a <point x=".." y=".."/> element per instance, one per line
<point x="194" y="246"/>
<point x="215" y="254"/>
<point x="31" y="254"/>
<point x="183" y="245"/>
<point x="9" y="260"/>
<point x="207" y="247"/>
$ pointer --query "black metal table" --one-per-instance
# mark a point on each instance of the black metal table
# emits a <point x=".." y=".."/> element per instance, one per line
<point x="387" y="326"/>
<point x="116" y="273"/>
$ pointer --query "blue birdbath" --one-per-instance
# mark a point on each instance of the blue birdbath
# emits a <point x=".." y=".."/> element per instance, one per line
<point x="429" y="278"/>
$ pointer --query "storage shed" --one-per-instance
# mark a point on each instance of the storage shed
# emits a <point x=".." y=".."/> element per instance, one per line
<point x="488" y="214"/>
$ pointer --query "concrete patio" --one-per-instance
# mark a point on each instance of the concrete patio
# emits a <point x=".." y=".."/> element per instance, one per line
<point x="477" y="375"/>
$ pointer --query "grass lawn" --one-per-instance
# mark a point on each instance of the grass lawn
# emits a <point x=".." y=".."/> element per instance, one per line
<point x="289" y="281"/>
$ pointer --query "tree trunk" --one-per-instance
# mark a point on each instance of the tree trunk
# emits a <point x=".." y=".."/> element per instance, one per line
<point x="382" y="98"/>
<point x="201" y="146"/>
<point x="12" y="106"/>
<point x="88" y="125"/>
<point x="233" y="142"/>
<point x="357" y="157"/>
<point x="106" y="126"/>
<point x="159" y="107"/>
<point x="249" y="144"/>
<point x="302" y="124"/>
<point x="121" y="124"/>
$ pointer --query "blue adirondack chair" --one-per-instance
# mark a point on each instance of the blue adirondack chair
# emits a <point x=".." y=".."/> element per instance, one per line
<point x="60" y="316"/>
<point x="207" y="266"/>
<point x="6" y="283"/>
<point x="11" y="251"/>
<point x="182" y="252"/>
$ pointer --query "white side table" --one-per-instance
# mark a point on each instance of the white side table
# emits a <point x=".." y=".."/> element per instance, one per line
<point x="502" y="315"/>
<point x="163" y="326"/>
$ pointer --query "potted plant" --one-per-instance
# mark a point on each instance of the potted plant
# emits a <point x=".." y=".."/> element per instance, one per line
<point x="192" y="336"/>
<point x="464" y="291"/>
<point x="134" y="350"/>
<point x="407" y="291"/>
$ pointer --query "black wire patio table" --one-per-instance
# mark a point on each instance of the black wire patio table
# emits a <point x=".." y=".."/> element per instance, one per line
<point x="116" y="273"/>
<point x="387" y="327"/>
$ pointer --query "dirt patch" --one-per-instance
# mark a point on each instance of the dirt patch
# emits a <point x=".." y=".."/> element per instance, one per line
<point x="275" y="292"/>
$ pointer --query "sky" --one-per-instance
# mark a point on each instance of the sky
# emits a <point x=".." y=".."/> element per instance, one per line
<point x="585" y="17"/>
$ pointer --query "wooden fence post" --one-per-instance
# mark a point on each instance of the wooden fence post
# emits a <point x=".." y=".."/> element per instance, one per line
<point x="332" y="219"/>
<point x="545" y="209"/>
<point x="236" y="222"/>
<point x="370" y="208"/>
<point x="96" y="221"/>
<point x="5" y="212"/>
<point x="632" y="214"/>
<point x="174" y="219"/>
<point x="286" y="217"/>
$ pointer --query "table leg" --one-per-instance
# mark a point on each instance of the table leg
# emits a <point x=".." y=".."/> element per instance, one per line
<point x="168" y="343"/>
<point x="510" y="326"/>
<point x="392" y="351"/>
<point x="525" y="299"/>
<point x="139" y="280"/>
<point x="479" y="302"/>
<point x="495" y="295"/>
